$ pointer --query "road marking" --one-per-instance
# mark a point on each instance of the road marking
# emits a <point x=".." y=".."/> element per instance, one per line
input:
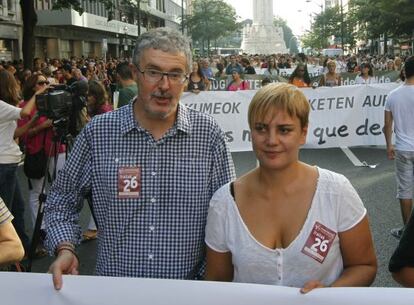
<point x="355" y="161"/>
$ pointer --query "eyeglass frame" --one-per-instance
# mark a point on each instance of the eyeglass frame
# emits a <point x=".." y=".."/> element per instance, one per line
<point x="162" y="74"/>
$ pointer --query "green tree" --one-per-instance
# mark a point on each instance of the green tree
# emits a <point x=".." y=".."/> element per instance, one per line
<point x="211" y="20"/>
<point x="288" y="37"/>
<point x="374" y="18"/>
<point x="330" y="22"/>
<point x="29" y="17"/>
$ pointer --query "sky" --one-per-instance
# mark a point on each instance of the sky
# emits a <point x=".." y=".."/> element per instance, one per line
<point x="295" y="12"/>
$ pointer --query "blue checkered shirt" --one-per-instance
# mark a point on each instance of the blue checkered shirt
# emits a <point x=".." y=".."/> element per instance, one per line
<point x="160" y="234"/>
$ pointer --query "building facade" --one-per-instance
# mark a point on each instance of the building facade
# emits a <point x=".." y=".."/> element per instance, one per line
<point x="98" y="32"/>
<point x="95" y="33"/>
<point x="10" y="30"/>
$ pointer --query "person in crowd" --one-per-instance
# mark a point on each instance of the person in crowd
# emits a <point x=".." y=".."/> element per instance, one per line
<point x="10" y="154"/>
<point x="91" y="71"/>
<point x="271" y="69"/>
<point x="78" y="75"/>
<point x="286" y="222"/>
<point x="248" y="69"/>
<point x="330" y="78"/>
<point x="97" y="103"/>
<point x="220" y="70"/>
<point x="366" y="76"/>
<point x="97" y="99"/>
<point x="352" y="64"/>
<point x="152" y="167"/>
<point x="237" y="83"/>
<point x="39" y="137"/>
<point x="48" y="74"/>
<point x="67" y="74"/>
<point x="234" y="65"/>
<point x="401" y="264"/>
<point x="398" y="64"/>
<point x="58" y="76"/>
<point x="197" y="82"/>
<point x="390" y="65"/>
<point x="23" y="75"/>
<point x="127" y="86"/>
<point x="398" y="117"/>
<point x="205" y="69"/>
<point x="300" y="76"/>
<point x="11" y="248"/>
<point x="283" y="63"/>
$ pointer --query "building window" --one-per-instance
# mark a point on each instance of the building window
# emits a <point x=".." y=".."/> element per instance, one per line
<point x="160" y="5"/>
<point x="10" y="5"/>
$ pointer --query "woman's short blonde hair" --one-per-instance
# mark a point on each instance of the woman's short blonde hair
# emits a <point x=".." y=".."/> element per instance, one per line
<point x="280" y="96"/>
<point x="330" y="62"/>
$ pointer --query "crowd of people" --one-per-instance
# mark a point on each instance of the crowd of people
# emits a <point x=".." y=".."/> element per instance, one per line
<point x="160" y="178"/>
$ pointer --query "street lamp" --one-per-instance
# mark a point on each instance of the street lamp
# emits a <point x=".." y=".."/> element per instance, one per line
<point x="342" y="27"/>
<point x="323" y="21"/>
<point x="182" y="16"/>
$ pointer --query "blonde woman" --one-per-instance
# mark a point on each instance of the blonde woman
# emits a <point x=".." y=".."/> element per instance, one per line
<point x="330" y="78"/>
<point x="286" y="222"/>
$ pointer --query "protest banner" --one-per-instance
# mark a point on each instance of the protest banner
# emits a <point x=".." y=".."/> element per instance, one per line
<point x="255" y="80"/>
<point x="37" y="289"/>
<point x="340" y="116"/>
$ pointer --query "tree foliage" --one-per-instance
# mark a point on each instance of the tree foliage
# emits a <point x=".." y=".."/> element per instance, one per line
<point x="211" y="20"/>
<point x="330" y="22"/>
<point x="378" y="17"/>
<point x="288" y="37"/>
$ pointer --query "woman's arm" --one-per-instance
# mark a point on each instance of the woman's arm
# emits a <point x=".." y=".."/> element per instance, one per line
<point x="11" y="247"/>
<point x="219" y="266"/>
<point x="23" y="129"/>
<point x="28" y="108"/>
<point x="405" y="276"/>
<point x="360" y="262"/>
<point x="39" y="128"/>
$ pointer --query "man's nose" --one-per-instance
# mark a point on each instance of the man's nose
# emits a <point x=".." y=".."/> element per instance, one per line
<point x="164" y="82"/>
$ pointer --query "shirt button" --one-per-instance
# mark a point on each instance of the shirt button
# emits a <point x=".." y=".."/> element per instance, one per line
<point x="150" y="256"/>
<point x="152" y="228"/>
<point x="153" y="173"/>
<point x="279" y="277"/>
<point x="153" y="200"/>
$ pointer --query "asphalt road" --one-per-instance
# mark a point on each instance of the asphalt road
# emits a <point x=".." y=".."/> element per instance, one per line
<point x="376" y="186"/>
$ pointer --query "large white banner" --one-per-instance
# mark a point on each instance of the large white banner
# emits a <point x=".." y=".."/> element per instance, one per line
<point x="340" y="116"/>
<point x="37" y="289"/>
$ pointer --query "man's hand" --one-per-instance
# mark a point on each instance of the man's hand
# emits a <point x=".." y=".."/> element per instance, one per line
<point x="311" y="285"/>
<point x="65" y="263"/>
<point x="391" y="152"/>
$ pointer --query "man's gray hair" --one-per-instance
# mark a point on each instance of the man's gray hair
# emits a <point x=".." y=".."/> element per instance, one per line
<point x="165" y="39"/>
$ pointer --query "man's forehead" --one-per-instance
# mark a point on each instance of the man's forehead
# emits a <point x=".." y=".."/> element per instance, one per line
<point x="161" y="58"/>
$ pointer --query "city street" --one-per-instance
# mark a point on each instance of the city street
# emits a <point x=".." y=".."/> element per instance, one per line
<point x="376" y="187"/>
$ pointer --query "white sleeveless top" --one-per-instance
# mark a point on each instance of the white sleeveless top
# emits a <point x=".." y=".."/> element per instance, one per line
<point x="313" y="255"/>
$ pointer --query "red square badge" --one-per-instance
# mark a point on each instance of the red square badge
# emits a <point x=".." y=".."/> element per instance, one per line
<point x="129" y="182"/>
<point x="319" y="242"/>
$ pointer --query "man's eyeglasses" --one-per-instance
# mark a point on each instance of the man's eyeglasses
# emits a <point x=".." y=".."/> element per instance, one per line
<point x="43" y="82"/>
<point x="154" y="76"/>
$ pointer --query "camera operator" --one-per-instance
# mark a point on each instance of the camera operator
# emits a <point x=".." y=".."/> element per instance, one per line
<point x="10" y="154"/>
<point x="39" y="137"/>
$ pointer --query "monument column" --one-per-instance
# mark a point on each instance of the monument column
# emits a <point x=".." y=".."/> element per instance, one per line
<point x="263" y="12"/>
<point x="263" y="37"/>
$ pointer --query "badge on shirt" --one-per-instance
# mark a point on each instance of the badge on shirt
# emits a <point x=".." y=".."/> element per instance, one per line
<point x="319" y="242"/>
<point x="129" y="182"/>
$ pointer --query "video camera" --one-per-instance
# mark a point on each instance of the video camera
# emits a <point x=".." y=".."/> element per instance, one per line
<point x="63" y="105"/>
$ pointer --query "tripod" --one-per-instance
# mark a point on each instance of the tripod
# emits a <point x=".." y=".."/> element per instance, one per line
<point x="61" y="137"/>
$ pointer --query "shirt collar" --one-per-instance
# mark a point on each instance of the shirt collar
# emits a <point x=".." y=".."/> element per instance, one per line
<point x="128" y="121"/>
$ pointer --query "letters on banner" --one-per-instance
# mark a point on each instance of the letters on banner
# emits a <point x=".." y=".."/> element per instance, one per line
<point x="340" y="116"/>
